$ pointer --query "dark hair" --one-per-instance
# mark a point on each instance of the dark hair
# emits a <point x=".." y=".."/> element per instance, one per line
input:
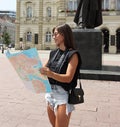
<point x="66" y="31"/>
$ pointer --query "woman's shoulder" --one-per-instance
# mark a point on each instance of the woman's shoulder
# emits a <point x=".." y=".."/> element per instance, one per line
<point x="53" y="52"/>
<point x="74" y="51"/>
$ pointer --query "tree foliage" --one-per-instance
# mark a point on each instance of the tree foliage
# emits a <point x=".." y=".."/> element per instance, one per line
<point x="6" y="38"/>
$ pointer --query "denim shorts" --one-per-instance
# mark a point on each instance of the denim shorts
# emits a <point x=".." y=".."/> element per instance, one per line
<point x="57" y="97"/>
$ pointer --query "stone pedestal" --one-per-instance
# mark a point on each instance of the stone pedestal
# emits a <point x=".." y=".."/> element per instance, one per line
<point x="89" y="44"/>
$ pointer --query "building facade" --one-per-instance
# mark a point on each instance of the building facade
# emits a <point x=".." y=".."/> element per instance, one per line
<point x="36" y="19"/>
<point x="7" y="24"/>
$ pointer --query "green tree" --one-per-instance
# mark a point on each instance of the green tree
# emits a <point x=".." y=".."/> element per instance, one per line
<point x="6" y="38"/>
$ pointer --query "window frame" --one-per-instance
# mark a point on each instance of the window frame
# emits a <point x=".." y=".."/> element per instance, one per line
<point x="29" y="36"/>
<point x="48" y="37"/>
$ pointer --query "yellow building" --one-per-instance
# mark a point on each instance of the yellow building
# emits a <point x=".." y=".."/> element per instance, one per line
<point x="36" y="19"/>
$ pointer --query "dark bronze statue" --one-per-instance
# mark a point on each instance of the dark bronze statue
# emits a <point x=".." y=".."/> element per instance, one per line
<point x="89" y="13"/>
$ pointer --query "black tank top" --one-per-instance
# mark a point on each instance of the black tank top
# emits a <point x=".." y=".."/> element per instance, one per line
<point x="52" y="66"/>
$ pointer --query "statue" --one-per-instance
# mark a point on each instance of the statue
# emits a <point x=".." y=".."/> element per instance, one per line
<point x="89" y="13"/>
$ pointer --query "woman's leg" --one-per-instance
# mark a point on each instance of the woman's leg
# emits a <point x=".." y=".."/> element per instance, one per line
<point x="51" y="116"/>
<point x="62" y="120"/>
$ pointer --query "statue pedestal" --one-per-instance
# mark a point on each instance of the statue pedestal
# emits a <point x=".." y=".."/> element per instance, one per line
<point x="89" y="43"/>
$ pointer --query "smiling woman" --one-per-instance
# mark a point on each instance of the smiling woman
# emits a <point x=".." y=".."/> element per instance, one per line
<point x="62" y="70"/>
<point x="11" y="6"/>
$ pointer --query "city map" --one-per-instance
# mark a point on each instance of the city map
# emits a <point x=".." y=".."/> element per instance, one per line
<point x="27" y="64"/>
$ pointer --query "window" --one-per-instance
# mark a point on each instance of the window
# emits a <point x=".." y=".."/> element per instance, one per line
<point x="72" y="5"/>
<point x="105" y="4"/>
<point x="48" y="36"/>
<point x="118" y="5"/>
<point x="49" y="11"/>
<point x="0" y="28"/>
<point x="5" y="28"/>
<point x="29" y="36"/>
<point x="29" y="12"/>
<point x="0" y="32"/>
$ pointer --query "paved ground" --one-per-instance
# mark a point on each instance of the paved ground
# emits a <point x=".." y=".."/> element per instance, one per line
<point x="21" y="108"/>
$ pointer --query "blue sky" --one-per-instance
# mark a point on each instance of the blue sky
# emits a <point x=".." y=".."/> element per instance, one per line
<point x="8" y="5"/>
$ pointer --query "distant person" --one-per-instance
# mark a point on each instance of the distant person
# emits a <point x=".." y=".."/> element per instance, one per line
<point x="58" y="108"/>
<point x="3" y="49"/>
<point x="21" y="45"/>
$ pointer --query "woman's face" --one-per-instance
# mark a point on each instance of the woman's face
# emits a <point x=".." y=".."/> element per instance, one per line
<point x="58" y="37"/>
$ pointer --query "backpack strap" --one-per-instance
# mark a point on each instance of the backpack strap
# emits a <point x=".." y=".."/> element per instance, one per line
<point x="53" y="58"/>
<point x="61" y="61"/>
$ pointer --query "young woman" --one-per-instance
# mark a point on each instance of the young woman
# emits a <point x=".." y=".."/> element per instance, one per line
<point x="59" y="111"/>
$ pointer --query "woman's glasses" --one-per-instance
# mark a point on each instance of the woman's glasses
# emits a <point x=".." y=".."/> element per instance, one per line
<point x="55" y="34"/>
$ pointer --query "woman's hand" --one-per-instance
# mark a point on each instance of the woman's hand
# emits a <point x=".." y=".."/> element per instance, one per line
<point x="46" y="71"/>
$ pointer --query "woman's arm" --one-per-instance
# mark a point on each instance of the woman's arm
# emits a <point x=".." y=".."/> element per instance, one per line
<point x="66" y="78"/>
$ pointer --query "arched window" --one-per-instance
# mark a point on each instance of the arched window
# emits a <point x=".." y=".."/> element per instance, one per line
<point x="29" y="12"/>
<point x="118" y="40"/>
<point x="118" y="5"/>
<point x="49" y="11"/>
<point x="105" y="5"/>
<point x="48" y="36"/>
<point x="29" y="36"/>
<point x="72" y="5"/>
<point x="105" y="39"/>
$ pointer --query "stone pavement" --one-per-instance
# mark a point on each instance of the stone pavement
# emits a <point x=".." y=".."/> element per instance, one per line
<point x="20" y="107"/>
